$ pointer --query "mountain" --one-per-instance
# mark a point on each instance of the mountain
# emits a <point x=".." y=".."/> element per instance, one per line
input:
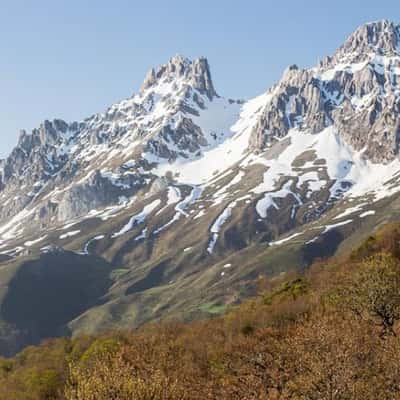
<point x="176" y="200"/>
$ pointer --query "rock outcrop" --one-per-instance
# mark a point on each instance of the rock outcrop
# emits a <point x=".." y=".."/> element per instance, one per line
<point x="356" y="91"/>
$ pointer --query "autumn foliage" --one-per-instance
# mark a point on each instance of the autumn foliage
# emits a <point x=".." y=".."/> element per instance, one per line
<point x="331" y="333"/>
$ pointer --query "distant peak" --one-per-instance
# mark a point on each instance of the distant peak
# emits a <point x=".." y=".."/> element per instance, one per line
<point x="377" y="37"/>
<point x="381" y="37"/>
<point x="196" y="72"/>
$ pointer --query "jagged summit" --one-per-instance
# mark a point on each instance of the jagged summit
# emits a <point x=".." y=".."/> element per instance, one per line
<point x="356" y="91"/>
<point x="380" y="36"/>
<point x="374" y="38"/>
<point x="196" y="72"/>
<point x="49" y="132"/>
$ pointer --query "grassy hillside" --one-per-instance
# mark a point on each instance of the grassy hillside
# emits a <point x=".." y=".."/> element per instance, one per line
<point x="40" y="295"/>
<point x="330" y="333"/>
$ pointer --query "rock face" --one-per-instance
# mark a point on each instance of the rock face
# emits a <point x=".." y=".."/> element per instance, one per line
<point x="297" y="101"/>
<point x="380" y="37"/>
<point x="186" y="136"/>
<point x="96" y="192"/>
<point x="356" y="90"/>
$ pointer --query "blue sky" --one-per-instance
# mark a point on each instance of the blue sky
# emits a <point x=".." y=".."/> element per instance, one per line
<point x="70" y="59"/>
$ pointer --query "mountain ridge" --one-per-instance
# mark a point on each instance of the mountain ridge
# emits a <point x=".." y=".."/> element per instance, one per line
<point x="188" y="197"/>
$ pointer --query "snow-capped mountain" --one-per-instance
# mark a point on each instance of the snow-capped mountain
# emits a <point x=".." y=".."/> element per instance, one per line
<point x="355" y="91"/>
<point x="188" y="197"/>
<point x="78" y="167"/>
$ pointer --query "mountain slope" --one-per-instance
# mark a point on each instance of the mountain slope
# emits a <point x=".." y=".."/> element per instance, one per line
<point x="189" y="197"/>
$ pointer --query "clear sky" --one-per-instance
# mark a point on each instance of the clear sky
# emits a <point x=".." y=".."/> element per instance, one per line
<point x="72" y="58"/>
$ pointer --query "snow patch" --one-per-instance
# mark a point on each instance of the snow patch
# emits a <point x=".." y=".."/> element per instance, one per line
<point x="333" y="226"/>
<point x="351" y="210"/>
<point x="367" y="213"/>
<point x="287" y="239"/>
<point x="217" y="225"/>
<point x="267" y="201"/>
<point x="69" y="234"/>
<point x="31" y="243"/>
<point x="138" y="218"/>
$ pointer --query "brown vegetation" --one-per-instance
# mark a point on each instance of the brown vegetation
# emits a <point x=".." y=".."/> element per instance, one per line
<point x="329" y="334"/>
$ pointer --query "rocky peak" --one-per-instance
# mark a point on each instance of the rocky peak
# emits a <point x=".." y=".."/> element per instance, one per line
<point x="295" y="76"/>
<point x="48" y="133"/>
<point x="196" y="73"/>
<point x="356" y="91"/>
<point x="379" y="37"/>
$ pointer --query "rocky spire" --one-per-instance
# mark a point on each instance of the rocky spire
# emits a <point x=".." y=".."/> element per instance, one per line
<point x="379" y="37"/>
<point x="196" y="73"/>
<point x="49" y="132"/>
